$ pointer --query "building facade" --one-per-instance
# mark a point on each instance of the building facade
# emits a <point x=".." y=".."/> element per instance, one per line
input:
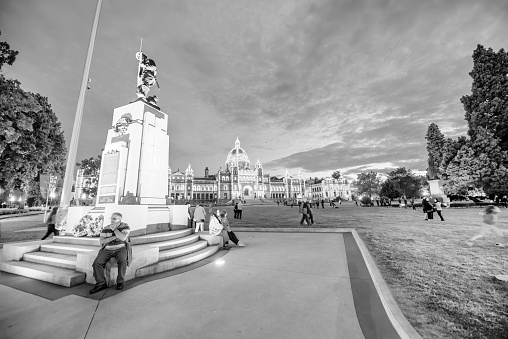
<point x="328" y="189"/>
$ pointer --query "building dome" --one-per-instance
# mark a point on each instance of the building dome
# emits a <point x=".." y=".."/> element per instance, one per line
<point x="238" y="157"/>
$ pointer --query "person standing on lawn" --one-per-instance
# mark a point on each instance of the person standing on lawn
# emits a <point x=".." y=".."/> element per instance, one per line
<point x="309" y="212"/>
<point x="304" y="213"/>
<point x="428" y="209"/>
<point x="437" y="206"/>
<point x="235" y="209"/>
<point x="490" y="216"/>
<point x="240" y="209"/>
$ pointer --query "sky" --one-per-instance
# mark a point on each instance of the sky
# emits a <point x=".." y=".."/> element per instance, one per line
<point x="310" y="86"/>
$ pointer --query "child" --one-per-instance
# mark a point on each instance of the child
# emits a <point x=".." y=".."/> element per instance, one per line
<point x="490" y="215"/>
<point x="227" y="228"/>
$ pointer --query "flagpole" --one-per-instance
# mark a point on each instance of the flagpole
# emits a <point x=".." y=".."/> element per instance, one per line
<point x="73" y="147"/>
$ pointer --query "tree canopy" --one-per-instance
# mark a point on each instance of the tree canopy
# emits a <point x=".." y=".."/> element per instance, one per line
<point x="91" y="167"/>
<point x="336" y="175"/>
<point x="31" y="140"/>
<point x="368" y="183"/>
<point x="480" y="161"/>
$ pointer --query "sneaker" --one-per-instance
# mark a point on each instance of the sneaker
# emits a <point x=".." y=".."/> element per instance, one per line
<point x="469" y="243"/>
<point x="241" y="244"/>
<point x="225" y="247"/>
<point x="119" y="286"/>
<point x="98" y="289"/>
<point x="500" y="245"/>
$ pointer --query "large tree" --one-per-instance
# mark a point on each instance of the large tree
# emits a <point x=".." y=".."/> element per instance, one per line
<point x="368" y="183"/>
<point x="31" y="140"/>
<point x="336" y="175"/>
<point x="435" y="144"/>
<point x="487" y="105"/>
<point x="404" y="182"/>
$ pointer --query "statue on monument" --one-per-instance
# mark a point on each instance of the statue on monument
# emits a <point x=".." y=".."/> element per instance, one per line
<point x="432" y="171"/>
<point x="147" y="75"/>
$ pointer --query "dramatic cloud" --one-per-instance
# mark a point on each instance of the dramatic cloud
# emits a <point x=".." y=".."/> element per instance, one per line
<point x="311" y="86"/>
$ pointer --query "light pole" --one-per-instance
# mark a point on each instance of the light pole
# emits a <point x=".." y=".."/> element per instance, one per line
<point x="73" y="147"/>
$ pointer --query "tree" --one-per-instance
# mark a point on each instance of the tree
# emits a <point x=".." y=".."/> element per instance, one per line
<point x="91" y="167"/>
<point x="368" y="183"/>
<point x="435" y="143"/>
<point x="31" y="140"/>
<point x="389" y="190"/>
<point x="404" y="182"/>
<point x="336" y="175"/>
<point x="7" y="55"/>
<point x="487" y="106"/>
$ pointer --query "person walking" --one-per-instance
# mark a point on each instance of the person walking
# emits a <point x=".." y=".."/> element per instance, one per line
<point x="428" y="209"/>
<point x="51" y="222"/>
<point x="114" y="239"/>
<point x="439" y="208"/>
<point x="311" y="216"/>
<point x="304" y="212"/>
<point x="199" y="217"/>
<point x="231" y="235"/>
<point x="490" y="216"/>
<point x="240" y="209"/>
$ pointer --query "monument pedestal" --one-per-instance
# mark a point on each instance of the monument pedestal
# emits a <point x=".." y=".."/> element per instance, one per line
<point x="436" y="190"/>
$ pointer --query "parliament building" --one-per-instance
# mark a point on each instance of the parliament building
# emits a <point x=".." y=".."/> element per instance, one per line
<point x="241" y="180"/>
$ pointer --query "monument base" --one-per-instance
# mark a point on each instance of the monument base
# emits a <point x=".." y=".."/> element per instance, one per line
<point x="142" y="219"/>
<point x="436" y="190"/>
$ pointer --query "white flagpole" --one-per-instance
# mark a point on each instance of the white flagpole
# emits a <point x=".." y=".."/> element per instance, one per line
<point x="73" y="147"/>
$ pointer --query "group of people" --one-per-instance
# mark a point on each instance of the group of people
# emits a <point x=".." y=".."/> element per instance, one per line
<point x="429" y="209"/>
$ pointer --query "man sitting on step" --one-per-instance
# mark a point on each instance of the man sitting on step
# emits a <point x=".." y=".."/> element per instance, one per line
<point x="114" y="241"/>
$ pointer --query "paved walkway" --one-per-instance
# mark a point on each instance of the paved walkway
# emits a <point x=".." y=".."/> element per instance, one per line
<point x="282" y="285"/>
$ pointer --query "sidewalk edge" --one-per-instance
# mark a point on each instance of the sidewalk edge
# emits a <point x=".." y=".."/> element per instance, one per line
<point x="399" y="321"/>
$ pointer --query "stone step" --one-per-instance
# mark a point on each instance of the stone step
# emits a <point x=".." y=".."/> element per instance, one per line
<point x="55" y="275"/>
<point x="182" y="250"/>
<point x="69" y="239"/>
<point x="52" y="259"/>
<point x="70" y="249"/>
<point x="162" y="236"/>
<point x="171" y="264"/>
<point x="167" y="245"/>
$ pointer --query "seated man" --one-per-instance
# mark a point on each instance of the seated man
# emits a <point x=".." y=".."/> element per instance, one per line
<point x="114" y="239"/>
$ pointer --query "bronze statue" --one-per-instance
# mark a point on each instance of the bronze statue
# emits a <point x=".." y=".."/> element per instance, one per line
<point x="147" y="75"/>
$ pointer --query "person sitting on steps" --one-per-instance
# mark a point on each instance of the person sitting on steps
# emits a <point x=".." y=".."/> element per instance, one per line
<point x="114" y="239"/>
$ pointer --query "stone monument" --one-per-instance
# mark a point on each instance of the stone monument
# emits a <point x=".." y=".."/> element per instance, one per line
<point x="134" y="167"/>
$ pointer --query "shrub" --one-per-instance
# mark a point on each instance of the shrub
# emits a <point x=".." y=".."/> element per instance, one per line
<point x="366" y="201"/>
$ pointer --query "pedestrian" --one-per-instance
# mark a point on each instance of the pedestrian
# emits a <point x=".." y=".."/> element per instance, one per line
<point x="235" y="210"/>
<point x="437" y="206"/>
<point x="231" y="235"/>
<point x="311" y="216"/>
<point x="304" y="212"/>
<point x="428" y="209"/>
<point x="51" y="222"/>
<point x="322" y="203"/>
<point x="216" y="228"/>
<point x="199" y="217"/>
<point x="413" y="203"/>
<point x="240" y="209"/>
<point x="114" y="239"/>
<point x="490" y="216"/>
<point x="190" y="216"/>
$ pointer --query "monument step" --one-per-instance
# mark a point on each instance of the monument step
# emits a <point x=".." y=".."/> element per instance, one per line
<point x="52" y="259"/>
<point x="183" y="250"/>
<point x="55" y="275"/>
<point x="167" y="245"/>
<point x="158" y="237"/>
<point x="171" y="264"/>
<point x="70" y="249"/>
<point x="69" y="239"/>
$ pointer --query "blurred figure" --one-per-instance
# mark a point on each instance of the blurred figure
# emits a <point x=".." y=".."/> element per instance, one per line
<point x="51" y="221"/>
<point x="490" y="216"/>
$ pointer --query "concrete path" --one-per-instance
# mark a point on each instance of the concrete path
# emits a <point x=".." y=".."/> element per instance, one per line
<point x="282" y="285"/>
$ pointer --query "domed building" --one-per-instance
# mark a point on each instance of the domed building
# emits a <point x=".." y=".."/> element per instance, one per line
<point x="238" y="181"/>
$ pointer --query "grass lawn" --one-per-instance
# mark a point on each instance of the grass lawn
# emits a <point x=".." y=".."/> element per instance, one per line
<point x="444" y="288"/>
